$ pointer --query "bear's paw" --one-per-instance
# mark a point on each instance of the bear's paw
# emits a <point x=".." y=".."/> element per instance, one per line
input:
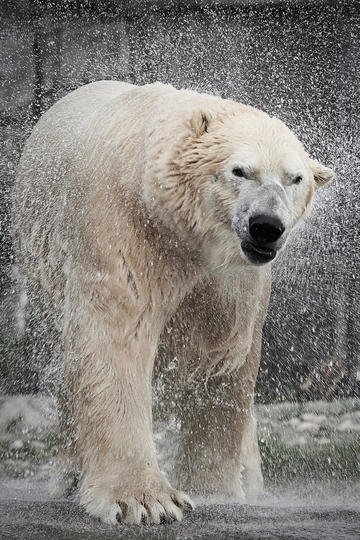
<point x="142" y="507"/>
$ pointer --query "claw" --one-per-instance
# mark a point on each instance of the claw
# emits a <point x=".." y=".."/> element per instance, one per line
<point x="176" y="502"/>
<point x="123" y="508"/>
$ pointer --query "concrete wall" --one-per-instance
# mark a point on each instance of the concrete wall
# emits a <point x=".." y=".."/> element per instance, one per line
<point x="297" y="60"/>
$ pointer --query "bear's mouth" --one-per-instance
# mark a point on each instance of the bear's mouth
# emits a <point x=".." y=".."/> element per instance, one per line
<point x="257" y="254"/>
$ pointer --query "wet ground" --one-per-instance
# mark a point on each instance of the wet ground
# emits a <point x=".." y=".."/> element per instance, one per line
<point x="27" y="513"/>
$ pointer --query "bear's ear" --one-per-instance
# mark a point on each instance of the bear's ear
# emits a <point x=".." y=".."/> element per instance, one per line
<point x="322" y="175"/>
<point x="200" y="121"/>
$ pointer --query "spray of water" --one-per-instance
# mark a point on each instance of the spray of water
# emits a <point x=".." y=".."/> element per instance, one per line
<point x="299" y="63"/>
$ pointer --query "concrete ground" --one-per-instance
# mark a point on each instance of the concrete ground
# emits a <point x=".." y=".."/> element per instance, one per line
<point x="60" y="520"/>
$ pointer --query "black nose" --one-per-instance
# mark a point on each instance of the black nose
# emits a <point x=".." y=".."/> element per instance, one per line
<point x="265" y="229"/>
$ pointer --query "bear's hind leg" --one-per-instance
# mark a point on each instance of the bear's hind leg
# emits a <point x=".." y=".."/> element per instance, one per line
<point x="218" y="455"/>
<point x="209" y="463"/>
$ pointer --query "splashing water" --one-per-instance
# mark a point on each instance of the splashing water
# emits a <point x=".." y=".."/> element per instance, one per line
<point x="297" y="61"/>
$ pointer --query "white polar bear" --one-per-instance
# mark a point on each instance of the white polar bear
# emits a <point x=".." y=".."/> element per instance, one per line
<point x="144" y="219"/>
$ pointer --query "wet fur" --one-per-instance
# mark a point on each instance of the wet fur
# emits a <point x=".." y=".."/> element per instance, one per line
<point x="124" y="232"/>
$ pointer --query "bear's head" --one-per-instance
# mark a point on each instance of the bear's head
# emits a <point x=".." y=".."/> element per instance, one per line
<point x="239" y="181"/>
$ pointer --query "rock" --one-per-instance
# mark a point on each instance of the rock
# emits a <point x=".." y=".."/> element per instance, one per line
<point x="294" y="422"/>
<point x="302" y="441"/>
<point x="20" y="413"/>
<point x="347" y="425"/>
<point x="324" y="440"/>
<point x="16" y="445"/>
<point x="298" y="441"/>
<point x="307" y="426"/>
<point x="38" y="445"/>
<point x="314" y="418"/>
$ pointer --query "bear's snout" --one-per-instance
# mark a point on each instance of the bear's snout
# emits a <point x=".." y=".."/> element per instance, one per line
<point x="259" y="244"/>
<point x="265" y="229"/>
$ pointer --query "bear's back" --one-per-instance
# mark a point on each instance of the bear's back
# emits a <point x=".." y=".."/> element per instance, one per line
<point x="40" y="195"/>
<point x="93" y="139"/>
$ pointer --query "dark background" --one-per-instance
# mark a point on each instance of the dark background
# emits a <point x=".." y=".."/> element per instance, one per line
<point x="297" y="60"/>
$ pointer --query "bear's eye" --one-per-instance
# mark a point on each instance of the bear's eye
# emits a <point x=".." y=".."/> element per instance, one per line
<point x="297" y="180"/>
<point x="238" y="172"/>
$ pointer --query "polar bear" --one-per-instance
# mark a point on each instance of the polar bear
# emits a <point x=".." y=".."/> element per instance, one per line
<point x="145" y="219"/>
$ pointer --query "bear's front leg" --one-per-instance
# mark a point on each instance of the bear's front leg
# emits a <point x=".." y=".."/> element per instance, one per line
<point x="109" y="387"/>
<point x="218" y="455"/>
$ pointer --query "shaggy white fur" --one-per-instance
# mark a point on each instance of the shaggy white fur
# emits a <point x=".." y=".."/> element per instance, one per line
<point x="132" y="213"/>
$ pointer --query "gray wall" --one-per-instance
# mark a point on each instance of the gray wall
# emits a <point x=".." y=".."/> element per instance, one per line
<point x="296" y="60"/>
